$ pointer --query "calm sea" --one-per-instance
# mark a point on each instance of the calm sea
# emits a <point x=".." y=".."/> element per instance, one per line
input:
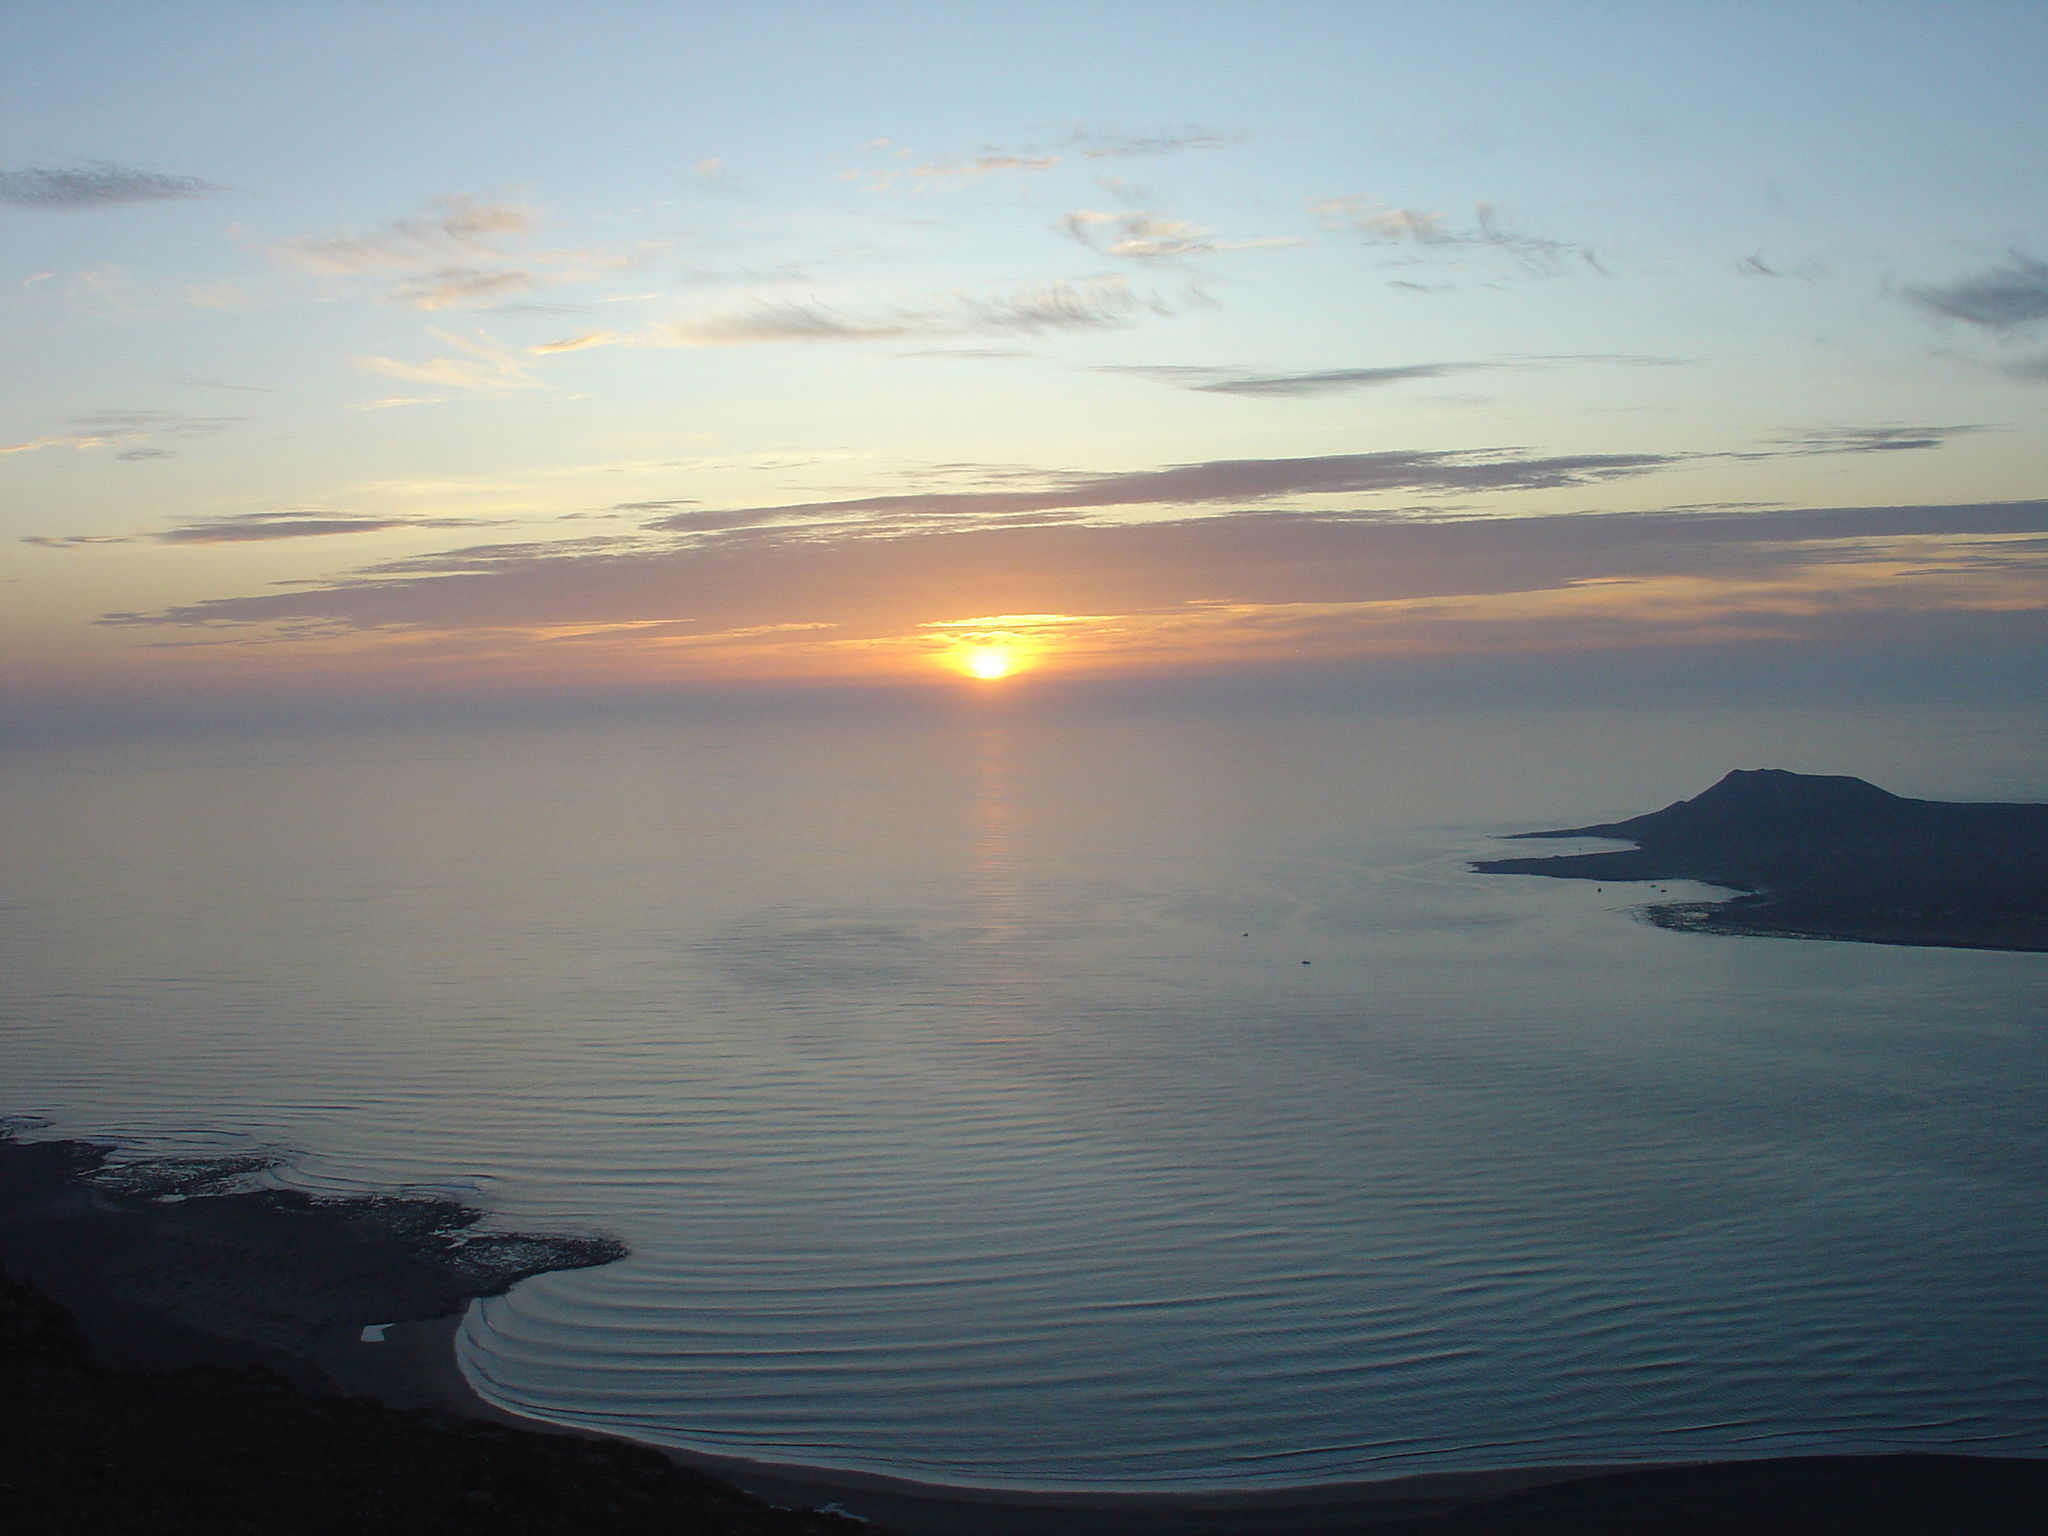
<point x="961" y="1089"/>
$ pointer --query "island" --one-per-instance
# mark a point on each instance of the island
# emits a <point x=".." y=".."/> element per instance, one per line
<point x="1823" y="856"/>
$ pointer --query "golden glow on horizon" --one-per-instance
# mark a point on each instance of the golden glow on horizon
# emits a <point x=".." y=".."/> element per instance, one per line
<point x="989" y="658"/>
<point x="988" y="662"/>
<point x="1000" y="645"/>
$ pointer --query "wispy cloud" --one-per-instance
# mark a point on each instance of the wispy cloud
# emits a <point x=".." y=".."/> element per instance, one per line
<point x="1756" y="265"/>
<point x="54" y="440"/>
<point x="912" y="174"/>
<point x="454" y="226"/>
<point x="137" y="430"/>
<point x="795" y="320"/>
<point x="1243" y="481"/>
<point x="456" y="287"/>
<point x="1332" y="380"/>
<point x="1121" y="144"/>
<point x="1376" y="222"/>
<point x="931" y="174"/>
<point x="258" y="527"/>
<point x="1425" y="235"/>
<point x="96" y="184"/>
<point x="985" y="165"/>
<point x="261" y="527"/>
<point x="460" y="251"/>
<point x="1091" y="304"/>
<point x="577" y="343"/>
<point x="1867" y="440"/>
<point x="2010" y="298"/>
<point x="1147" y="235"/>
<point x="485" y="367"/>
<point x="1223" y="381"/>
<point x="1009" y="494"/>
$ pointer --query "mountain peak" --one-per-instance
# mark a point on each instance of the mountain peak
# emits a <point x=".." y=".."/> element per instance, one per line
<point x="1780" y="787"/>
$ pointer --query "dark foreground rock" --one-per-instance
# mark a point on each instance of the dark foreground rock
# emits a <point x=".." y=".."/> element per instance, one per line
<point x="1827" y="857"/>
<point x="169" y="1262"/>
<point x="184" y="1393"/>
<point x="93" y="1450"/>
<point x="93" y="1447"/>
<point x="1783" y="1496"/>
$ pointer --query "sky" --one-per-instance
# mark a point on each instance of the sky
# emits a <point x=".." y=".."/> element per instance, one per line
<point x="456" y="349"/>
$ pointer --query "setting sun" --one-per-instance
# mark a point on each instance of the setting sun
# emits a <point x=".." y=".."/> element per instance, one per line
<point x="989" y="661"/>
<point x="993" y="646"/>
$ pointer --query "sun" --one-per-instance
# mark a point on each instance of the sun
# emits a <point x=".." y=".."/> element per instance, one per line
<point x="989" y="651"/>
<point x="989" y="658"/>
<point x="988" y="662"/>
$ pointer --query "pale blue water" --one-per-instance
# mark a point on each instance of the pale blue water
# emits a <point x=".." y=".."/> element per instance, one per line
<point x="968" y="1109"/>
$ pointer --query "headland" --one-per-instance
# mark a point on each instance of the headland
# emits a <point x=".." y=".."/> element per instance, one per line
<point x="1818" y="856"/>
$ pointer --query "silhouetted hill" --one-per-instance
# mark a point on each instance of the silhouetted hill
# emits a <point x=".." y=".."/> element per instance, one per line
<point x="1825" y="856"/>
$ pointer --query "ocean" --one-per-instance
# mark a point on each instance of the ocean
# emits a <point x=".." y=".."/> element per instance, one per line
<point x="1110" y="1101"/>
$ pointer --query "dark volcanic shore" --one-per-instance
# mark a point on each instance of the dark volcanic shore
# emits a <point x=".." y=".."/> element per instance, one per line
<point x="88" y="1449"/>
<point x="168" y="1265"/>
<point x="186" y="1383"/>
<point x="1826" y="857"/>
<point x="167" y="1262"/>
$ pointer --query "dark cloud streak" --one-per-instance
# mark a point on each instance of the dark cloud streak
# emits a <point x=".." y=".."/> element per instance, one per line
<point x="255" y="527"/>
<point x="1329" y="381"/>
<point x="96" y="184"/>
<point x="1238" y="480"/>
<point x="1866" y="440"/>
<point x="776" y="575"/>
<point x="259" y="527"/>
<point x="2003" y="299"/>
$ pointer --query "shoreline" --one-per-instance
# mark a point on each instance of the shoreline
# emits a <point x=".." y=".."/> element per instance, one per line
<point x="1729" y="919"/>
<point x="168" y="1263"/>
<point x="1768" y="1495"/>
<point x="428" y="1372"/>
<point x="172" y="1262"/>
